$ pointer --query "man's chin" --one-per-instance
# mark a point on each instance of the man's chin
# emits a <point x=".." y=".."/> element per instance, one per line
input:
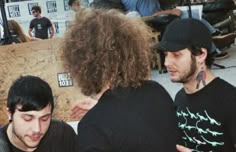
<point x="174" y="80"/>
<point x="32" y="144"/>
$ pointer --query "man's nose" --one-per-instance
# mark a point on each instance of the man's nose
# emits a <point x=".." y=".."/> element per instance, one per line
<point x="167" y="60"/>
<point x="36" y="126"/>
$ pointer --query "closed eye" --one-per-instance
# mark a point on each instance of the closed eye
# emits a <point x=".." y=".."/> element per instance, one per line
<point x="27" y="117"/>
<point x="45" y="118"/>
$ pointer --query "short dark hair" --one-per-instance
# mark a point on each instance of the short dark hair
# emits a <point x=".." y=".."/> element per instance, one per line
<point x="36" y="8"/>
<point x="70" y="2"/>
<point x="197" y="51"/>
<point x="31" y="92"/>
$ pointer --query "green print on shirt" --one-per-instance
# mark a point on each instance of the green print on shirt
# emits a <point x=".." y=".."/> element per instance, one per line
<point x="213" y="143"/>
<point x="192" y="115"/>
<point x="189" y="119"/>
<point x="212" y="121"/>
<point x="182" y="126"/>
<point x="189" y="138"/>
<point x="213" y="132"/>
<point x="201" y="117"/>
<point x="190" y="127"/>
<point x="200" y="130"/>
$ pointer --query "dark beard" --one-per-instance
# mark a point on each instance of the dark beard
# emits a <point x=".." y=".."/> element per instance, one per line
<point x="192" y="70"/>
<point x="19" y="138"/>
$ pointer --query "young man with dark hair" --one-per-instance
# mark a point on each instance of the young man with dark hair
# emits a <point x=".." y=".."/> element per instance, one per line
<point x="40" y="25"/>
<point x="206" y="103"/>
<point x="30" y="105"/>
<point x="74" y="4"/>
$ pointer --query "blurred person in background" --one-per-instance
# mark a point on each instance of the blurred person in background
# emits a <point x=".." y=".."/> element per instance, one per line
<point x="74" y="4"/>
<point x="41" y="25"/>
<point x="17" y="32"/>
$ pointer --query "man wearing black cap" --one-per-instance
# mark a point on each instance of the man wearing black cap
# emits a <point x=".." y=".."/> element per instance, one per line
<point x="205" y="106"/>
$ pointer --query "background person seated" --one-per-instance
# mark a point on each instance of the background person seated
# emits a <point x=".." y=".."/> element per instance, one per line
<point x="154" y="8"/>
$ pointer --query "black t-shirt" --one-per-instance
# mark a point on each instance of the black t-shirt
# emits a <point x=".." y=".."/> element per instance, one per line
<point x="41" y="26"/>
<point x="130" y="120"/>
<point x="59" y="138"/>
<point x="207" y="118"/>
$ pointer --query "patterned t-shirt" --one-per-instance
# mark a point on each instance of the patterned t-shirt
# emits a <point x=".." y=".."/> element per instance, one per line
<point x="207" y="118"/>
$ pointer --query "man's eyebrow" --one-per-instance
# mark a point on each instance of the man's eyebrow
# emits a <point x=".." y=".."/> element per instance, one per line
<point x="25" y="114"/>
<point x="49" y="114"/>
<point x="28" y="114"/>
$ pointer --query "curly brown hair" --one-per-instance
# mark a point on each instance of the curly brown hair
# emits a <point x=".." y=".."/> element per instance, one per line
<point x="107" y="48"/>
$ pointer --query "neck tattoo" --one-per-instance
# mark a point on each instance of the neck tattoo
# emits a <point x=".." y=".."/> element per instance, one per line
<point x="201" y="78"/>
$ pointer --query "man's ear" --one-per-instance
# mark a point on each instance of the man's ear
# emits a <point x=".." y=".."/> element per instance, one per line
<point x="202" y="57"/>
<point x="9" y="114"/>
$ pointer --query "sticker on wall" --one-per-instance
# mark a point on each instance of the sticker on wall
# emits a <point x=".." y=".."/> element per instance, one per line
<point x="30" y="5"/>
<point x="56" y="25"/>
<point x="51" y="6"/>
<point x="66" y="5"/>
<point x="64" y="80"/>
<point x="14" y="11"/>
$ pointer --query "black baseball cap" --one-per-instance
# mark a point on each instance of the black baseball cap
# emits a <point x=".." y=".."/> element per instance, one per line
<point x="184" y="33"/>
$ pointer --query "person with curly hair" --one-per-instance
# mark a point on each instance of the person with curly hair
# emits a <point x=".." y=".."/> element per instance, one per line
<point x="108" y="55"/>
